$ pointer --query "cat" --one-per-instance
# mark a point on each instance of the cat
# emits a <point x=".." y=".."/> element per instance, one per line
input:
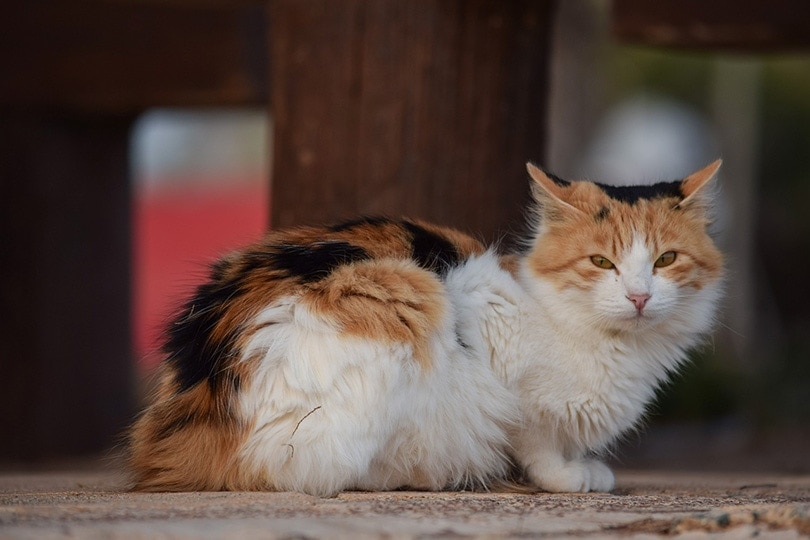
<point x="379" y="353"/>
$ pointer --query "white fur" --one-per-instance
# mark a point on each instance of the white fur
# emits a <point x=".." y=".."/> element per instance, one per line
<point x="588" y="364"/>
<point x="332" y="412"/>
<point x="519" y="368"/>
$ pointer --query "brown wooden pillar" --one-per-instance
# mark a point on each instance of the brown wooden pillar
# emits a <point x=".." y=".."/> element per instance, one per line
<point x="74" y="76"/>
<point x="65" y="360"/>
<point x="428" y="108"/>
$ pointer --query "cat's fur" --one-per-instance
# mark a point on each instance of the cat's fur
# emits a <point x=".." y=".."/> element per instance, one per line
<point x="379" y="354"/>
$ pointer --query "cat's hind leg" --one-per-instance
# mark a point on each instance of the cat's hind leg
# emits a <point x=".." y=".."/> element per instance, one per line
<point x="318" y="406"/>
<point x="330" y="368"/>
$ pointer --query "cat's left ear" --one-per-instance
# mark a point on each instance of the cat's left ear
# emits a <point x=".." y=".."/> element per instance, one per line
<point x="695" y="186"/>
<point x="549" y="193"/>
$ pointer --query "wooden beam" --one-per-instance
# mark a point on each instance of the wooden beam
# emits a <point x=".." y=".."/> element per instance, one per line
<point x="734" y="25"/>
<point x="107" y="57"/>
<point x="428" y="108"/>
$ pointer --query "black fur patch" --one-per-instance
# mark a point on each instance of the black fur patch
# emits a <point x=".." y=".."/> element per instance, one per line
<point x="602" y="214"/>
<point x="351" y="224"/>
<point x="460" y="340"/>
<point x="189" y="346"/>
<point x="557" y="180"/>
<point x="431" y="251"/>
<point x="315" y="261"/>
<point x="218" y="269"/>
<point x="632" y="194"/>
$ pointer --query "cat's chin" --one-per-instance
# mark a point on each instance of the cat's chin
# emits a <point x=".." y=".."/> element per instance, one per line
<point x="634" y="322"/>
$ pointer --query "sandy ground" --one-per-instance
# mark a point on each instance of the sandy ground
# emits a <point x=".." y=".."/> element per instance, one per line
<point x="89" y="504"/>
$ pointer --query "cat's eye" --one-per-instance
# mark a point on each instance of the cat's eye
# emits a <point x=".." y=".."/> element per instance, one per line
<point x="602" y="262"/>
<point x="665" y="259"/>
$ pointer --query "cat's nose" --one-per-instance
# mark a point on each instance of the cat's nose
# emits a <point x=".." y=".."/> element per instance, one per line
<point x="639" y="300"/>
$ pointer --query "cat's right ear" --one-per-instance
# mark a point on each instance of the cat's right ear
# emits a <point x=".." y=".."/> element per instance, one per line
<point x="693" y="186"/>
<point x="550" y="193"/>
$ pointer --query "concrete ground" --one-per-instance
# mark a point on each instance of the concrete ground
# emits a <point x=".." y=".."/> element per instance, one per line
<point x="92" y="504"/>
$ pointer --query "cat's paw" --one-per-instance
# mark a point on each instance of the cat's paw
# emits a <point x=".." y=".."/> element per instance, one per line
<point x="574" y="477"/>
<point x="601" y="476"/>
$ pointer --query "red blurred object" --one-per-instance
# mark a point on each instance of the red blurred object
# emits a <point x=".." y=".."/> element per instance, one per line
<point x="177" y="233"/>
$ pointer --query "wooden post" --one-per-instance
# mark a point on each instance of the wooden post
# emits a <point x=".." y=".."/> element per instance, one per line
<point x="428" y="108"/>
<point x="66" y="385"/>
<point x="74" y="76"/>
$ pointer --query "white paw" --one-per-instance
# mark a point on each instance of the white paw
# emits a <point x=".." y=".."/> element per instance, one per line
<point x="601" y="476"/>
<point x="574" y="477"/>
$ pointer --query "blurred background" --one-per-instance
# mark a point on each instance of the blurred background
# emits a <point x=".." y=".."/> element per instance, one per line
<point x="143" y="138"/>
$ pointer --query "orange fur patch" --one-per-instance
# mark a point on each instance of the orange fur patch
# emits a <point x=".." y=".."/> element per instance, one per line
<point x="510" y="263"/>
<point x="385" y="241"/>
<point x="386" y="300"/>
<point x="187" y="441"/>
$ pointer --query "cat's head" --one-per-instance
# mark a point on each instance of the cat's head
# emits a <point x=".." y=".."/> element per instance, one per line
<point x="631" y="257"/>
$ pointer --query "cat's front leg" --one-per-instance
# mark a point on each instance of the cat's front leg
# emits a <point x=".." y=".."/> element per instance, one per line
<point x="602" y="478"/>
<point x="555" y="474"/>
<point x="548" y="468"/>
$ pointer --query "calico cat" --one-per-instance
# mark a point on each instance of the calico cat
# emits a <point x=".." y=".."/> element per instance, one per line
<point x="379" y="354"/>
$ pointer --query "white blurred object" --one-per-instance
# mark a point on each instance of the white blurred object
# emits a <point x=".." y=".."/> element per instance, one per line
<point x="646" y="140"/>
<point x="171" y="146"/>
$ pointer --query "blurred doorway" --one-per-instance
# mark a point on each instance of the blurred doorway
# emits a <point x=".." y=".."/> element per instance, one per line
<point x="201" y="188"/>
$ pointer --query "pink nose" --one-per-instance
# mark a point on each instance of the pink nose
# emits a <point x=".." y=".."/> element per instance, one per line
<point x="639" y="300"/>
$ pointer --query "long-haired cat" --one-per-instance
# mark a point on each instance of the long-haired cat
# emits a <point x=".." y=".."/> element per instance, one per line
<point x="379" y="354"/>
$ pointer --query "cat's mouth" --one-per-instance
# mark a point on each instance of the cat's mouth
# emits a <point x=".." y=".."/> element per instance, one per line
<point x="637" y="320"/>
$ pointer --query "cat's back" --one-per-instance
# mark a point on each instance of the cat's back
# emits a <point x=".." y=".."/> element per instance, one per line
<point x="311" y="252"/>
<point x="315" y="268"/>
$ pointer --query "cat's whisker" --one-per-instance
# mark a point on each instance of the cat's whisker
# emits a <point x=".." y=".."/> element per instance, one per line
<point x="730" y="329"/>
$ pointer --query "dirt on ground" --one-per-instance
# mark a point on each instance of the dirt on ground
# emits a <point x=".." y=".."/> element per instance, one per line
<point x="91" y="504"/>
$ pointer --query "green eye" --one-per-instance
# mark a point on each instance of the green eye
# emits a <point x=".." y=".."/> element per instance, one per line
<point x="665" y="259"/>
<point x="602" y="262"/>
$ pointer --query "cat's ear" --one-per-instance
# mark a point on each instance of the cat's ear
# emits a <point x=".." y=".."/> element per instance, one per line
<point x="696" y="187"/>
<point x="549" y="192"/>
